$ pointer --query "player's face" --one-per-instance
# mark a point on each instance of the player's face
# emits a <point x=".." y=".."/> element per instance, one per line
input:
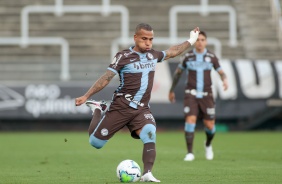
<point x="201" y="43"/>
<point x="143" y="40"/>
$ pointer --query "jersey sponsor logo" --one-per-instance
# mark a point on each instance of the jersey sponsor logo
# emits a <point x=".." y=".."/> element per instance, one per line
<point x="132" y="59"/>
<point x="104" y="132"/>
<point x="144" y="66"/>
<point x="129" y="97"/>
<point x="194" y="65"/>
<point x="127" y="54"/>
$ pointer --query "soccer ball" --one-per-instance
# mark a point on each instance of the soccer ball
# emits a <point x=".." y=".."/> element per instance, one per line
<point x="128" y="171"/>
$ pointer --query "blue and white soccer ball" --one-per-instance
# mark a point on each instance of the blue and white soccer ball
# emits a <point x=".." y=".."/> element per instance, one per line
<point x="128" y="171"/>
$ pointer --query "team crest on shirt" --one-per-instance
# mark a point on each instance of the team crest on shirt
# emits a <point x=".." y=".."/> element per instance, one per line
<point x="207" y="59"/>
<point x="150" y="56"/>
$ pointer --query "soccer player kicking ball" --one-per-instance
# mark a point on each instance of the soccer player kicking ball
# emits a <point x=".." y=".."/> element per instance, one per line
<point x="129" y="106"/>
<point x="198" y="98"/>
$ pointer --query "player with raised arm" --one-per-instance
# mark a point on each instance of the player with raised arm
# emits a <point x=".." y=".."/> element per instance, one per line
<point x="198" y="98"/>
<point x="129" y="106"/>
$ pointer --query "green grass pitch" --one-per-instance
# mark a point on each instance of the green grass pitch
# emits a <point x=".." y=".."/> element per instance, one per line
<point x="67" y="157"/>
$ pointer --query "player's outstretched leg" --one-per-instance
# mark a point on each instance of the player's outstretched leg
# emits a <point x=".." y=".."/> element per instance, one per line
<point x="208" y="147"/>
<point x="98" y="109"/>
<point x="148" y="137"/>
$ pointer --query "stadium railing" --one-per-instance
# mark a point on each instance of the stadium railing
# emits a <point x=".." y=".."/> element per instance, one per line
<point x="205" y="9"/>
<point x="105" y="9"/>
<point x="65" y="74"/>
<point x="59" y="9"/>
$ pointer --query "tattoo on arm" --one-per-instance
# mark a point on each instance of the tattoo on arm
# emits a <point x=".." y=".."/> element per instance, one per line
<point x="102" y="82"/>
<point x="177" y="49"/>
<point x="176" y="77"/>
<point x="222" y="75"/>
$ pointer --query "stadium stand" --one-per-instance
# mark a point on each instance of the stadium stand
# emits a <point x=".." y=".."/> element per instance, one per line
<point x="258" y="31"/>
<point x="90" y="35"/>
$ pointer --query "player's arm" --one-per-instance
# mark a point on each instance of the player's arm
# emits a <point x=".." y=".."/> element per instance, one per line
<point x="224" y="79"/>
<point x="176" y="76"/>
<point x="102" y="82"/>
<point x="178" y="49"/>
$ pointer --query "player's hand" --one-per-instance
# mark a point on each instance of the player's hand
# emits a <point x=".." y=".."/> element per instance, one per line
<point x="80" y="100"/>
<point x="194" y="35"/>
<point x="171" y="97"/>
<point x="225" y="84"/>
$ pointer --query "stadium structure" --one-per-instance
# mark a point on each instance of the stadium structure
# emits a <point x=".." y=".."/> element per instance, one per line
<point x="53" y="50"/>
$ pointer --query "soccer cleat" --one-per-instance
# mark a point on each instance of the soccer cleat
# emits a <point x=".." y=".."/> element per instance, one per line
<point x="189" y="157"/>
<point x="209" y="152"/>
<point x="92" y="104"/>
<point x="148" y="177"/>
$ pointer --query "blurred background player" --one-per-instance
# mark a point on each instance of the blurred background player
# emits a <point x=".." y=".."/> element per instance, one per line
<point x="129" y="107"/>
<point x="198" y="98"/>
